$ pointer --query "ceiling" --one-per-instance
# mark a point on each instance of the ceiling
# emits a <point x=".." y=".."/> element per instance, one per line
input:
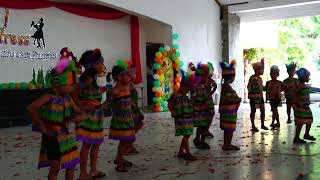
<point x="230" y="2"/>
<point x="257" y="10"/>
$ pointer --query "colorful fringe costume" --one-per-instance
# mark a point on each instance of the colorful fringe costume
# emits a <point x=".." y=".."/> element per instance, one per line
<point x="229" y="100"/>
<point x="210" y="102"/>
<point x="182" y="108"/>
<point x="255" y="93"/>
<point x="199" y="99"/>
<point x="302" y="111"/>
<point x="290" y="85"/>
<point x="136" y="113"/>
<point x="55" y="116"/>
<point x="91" y="130"/>
<point x="122" y="126"/>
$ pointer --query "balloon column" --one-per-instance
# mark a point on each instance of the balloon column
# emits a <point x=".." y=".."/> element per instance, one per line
<point x="165" y="53"/>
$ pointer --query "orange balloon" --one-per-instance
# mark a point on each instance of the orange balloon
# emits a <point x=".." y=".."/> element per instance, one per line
<point x="158" y="94"/>
<point x="156" y="109"/>
<point x="174" y="51"/>
<point x="175" y="66"/>
<point x="159" y="72"/>
<point x="165" y="54"/>
<point x="162" y="58"/>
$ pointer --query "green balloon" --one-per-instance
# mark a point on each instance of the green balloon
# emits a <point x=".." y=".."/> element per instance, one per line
<point x="24" y="85"/>
<point x="178" y="54"/>
<point x="180" y="64"/>
<point x="155" y="99"/>
<point x="175" y="36"/>
<point x="157" y="83"/>
<point x="175" y="46"/>
<point x="12" y="86"/>
<point x="161" y="49"/>
<point x="156" y="66"/>
<point x="3" y="86"/>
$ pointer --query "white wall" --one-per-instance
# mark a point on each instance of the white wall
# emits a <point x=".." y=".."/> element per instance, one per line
<point x="197" y="23"/>
<point x="64" y="29"/>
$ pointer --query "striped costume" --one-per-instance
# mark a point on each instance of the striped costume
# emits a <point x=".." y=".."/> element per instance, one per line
<point x="136" y="113"/>
<point x="228" y="107"/>
<point x="210" y="101"/>
<point x="91" y="129"/>
<point x="182" y="110"/>
<point x="201" y="114"/>
<point x="55" y="115"/>
<point x="290" y="86"/>
<point x="122" y="126"/>
<point x="302" y="112"/>
<point x="255" y="93"/>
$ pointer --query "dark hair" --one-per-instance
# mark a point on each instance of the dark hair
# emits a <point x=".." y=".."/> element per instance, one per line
<point x="88" y="73"/>
<point x="227" y="78"/>
<point x="116" y="70"/>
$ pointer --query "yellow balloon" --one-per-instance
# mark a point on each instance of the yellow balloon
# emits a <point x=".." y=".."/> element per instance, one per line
<point x="158" y="104"/>
<point x="179" y="75"/>
<point x="158" y="54"/>
<point x="154" y="89"/>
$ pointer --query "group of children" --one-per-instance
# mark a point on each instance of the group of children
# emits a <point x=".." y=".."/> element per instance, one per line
<point x="80" y="98"/>
<point x="297" y="94"/>
<point x="193" y="106"/>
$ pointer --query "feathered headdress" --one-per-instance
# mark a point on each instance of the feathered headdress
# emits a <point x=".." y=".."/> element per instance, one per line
<point x="64" y="73"/>
<point x="188" y="79"/>
<point x="91" y="57"/>
<point x="291" y="65"/>
<point x="302" y="72"/>
<point x="258" y="65"/>
<point x="228" y="68"/>
<point x="202" y="69"/>
<point x="124" y="65"/>
<point x="210" y="67"/>
<point x="66" y="53"/>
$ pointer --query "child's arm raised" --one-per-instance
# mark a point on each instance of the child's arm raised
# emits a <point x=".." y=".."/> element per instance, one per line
<point x="32" y="110"/>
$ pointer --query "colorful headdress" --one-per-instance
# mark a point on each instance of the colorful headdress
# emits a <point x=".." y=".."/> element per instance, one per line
<point x="91" y="57"/>
<point x="291" y="65"/>
<point x="228" y="69"/>
<point x="210" y="67"/>
<point x="302" y="72"/>
<point x="188" y="79"/>
<point x="202" y="69"/>
<point x="63" y="74"/>
<point x="124" y="65"/>
<point x="258" y="65"/>
<point x="66" y="53"/>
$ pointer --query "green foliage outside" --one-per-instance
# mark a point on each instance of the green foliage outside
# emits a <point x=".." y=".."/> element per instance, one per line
<point x="299" y="40"/>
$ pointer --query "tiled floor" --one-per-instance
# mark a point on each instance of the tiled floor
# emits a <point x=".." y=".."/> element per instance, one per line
<point x="263" y="155"/>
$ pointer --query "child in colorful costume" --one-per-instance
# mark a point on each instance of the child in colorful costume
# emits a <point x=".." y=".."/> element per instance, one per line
<point x="181" y="110"/>
<point x="51" y="114"/>
<point x="302" y="112"/>
<point x="255" y="94"/>
<point x="89" y="97"/>
<point x="211" y="87"/>
<point x="273" y="90"/>
<point x="122" y="126"/>
<point x="202" y="118"/>
<point x="229" y="105"/>
<point x="136" y="113"/>
<point x="289" y="86"/>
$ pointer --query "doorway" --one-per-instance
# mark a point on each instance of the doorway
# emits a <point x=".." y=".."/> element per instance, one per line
<point x="151" y="49"/>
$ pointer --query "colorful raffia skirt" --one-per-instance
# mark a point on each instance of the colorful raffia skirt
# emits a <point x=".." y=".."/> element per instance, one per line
<point x="91" y="129"/>
<point x="303" y="115"/>
<point x="122" y="128"/>
<point x="210" y="104"/>
<point x="201" y="115"/>
<point x="228" y="117"/>
<point x="184" y="126"/>
<point x="62" y="147"/>
<point x="137" y="115"/>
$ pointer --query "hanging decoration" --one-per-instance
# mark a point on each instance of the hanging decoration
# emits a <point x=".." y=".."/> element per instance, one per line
<point x="161" y="86"/>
